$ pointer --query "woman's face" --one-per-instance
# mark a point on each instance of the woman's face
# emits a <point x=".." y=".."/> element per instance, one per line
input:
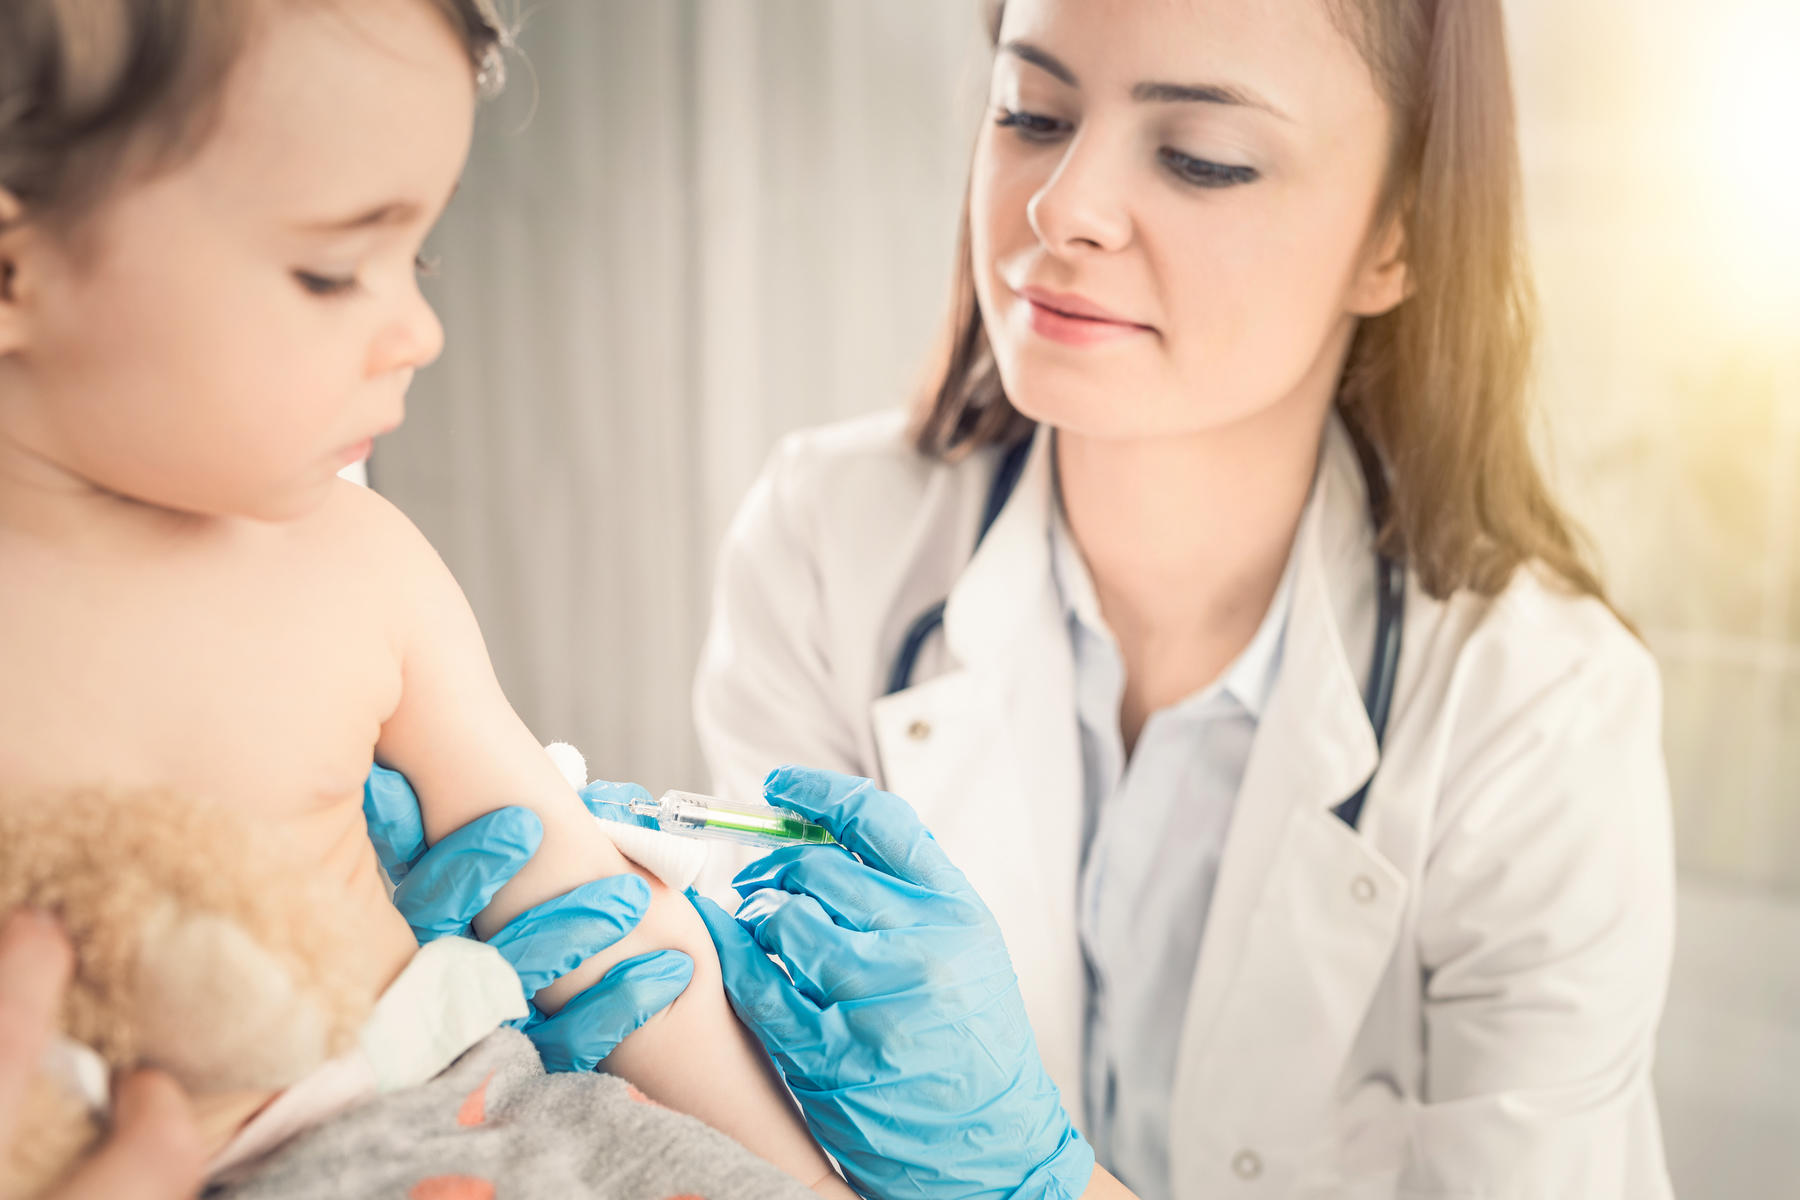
<point x="1172" y="211"/>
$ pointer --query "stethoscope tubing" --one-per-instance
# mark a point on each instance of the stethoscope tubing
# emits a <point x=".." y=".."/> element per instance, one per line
<point x="1390" y="602"/>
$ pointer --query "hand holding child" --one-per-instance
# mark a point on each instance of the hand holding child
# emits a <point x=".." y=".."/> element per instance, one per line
<point x="154" y="1151"/>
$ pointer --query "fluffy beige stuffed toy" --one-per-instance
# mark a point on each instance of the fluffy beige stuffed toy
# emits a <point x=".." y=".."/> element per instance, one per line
<point x="197" y="951"/>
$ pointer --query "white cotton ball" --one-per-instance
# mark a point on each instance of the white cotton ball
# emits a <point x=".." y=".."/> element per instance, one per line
<point x="568" y="760"/>
<point x="674" y="860"/>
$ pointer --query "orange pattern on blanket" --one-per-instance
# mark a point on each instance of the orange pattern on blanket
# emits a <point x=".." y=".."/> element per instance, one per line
<point x="631" y="1089"/>
<point x="451" y="1187"/>
<point x="474" y="1106"/>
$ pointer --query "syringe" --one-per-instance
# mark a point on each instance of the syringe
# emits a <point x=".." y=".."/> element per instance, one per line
<point x="690" y="814"/>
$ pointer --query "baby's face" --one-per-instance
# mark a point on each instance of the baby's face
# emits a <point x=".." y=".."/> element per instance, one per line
<point x="246" y="322"/>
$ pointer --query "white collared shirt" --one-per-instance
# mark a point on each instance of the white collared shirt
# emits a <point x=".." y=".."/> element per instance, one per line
<point x="1154" y="832"/>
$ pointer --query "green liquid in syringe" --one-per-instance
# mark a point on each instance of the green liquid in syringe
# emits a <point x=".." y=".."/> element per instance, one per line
<point x="777" y="825"/>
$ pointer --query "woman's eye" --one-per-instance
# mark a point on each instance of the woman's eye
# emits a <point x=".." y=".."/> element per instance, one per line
<point x="1201" y="173"/>
<point x="325" y="285"/>
<point x="426" y="265"/>
<point x="1030" y="126"/>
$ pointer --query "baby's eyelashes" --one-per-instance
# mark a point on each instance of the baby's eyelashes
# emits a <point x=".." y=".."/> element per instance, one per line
<point x="319" y="284"/>
<point x="326" y="285"/>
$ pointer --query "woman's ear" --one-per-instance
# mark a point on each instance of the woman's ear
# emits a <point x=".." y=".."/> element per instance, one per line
<point x="1383" y="280"/>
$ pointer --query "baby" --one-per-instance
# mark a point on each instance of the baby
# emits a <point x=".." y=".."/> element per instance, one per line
<point x="210" y="212"/>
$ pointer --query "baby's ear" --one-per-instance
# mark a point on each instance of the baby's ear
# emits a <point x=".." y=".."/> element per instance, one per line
<point x="15" y="249"/>
<point x="220" y="1012"/>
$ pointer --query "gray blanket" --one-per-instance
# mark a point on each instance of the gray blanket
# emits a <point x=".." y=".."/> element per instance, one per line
<point x="494" y="1126"/>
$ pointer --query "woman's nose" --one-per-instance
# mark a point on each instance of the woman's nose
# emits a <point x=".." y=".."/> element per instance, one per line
<point x="1082" y="207"/>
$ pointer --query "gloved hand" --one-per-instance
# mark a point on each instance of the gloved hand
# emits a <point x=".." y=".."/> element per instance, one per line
<point x="440" y="889"/>
<point x="902" y="1032"/>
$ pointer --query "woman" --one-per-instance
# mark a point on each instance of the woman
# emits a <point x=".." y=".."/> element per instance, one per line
<point x="1216" y="254"/>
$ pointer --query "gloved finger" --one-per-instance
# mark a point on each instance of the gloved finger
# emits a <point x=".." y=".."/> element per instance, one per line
<point x="592" y="1025"/>
<point x="395" y="824"/>
<point x="855" y="896"/>
<point x="826" y="962"/>
<point x="155" y="1151"/>
<point x="35" y="963"/>
<point x="879" y="826"/>
<point x="547" y="942"/>
<point x="612" y="802"/>
<point x="764" y="999"/>
<point x="456" y="878"/>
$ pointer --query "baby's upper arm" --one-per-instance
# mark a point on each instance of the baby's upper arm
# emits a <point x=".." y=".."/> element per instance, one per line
<point x="467" y="753"/>
<point x="458" y="741"/>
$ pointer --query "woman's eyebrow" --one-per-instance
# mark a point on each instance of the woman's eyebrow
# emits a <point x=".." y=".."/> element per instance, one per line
<point x="1150" y="93"/>
<point x="1042" y="59"/>
<point x="1204" y="93"/>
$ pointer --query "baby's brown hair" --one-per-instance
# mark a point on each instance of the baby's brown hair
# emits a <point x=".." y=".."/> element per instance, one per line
<point x="91" y="90"/>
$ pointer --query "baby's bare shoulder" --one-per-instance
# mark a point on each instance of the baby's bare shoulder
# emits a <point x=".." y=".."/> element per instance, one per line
<point x="362" y="546"/>
<point x="355" y="518"/>
<point x="360" y="533"/>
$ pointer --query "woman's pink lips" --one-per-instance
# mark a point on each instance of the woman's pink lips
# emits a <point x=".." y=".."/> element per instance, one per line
<point x="1072" y="321"/>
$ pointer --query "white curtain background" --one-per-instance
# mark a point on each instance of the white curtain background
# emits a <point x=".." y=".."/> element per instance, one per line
<point x="690" y="226"/>
<point x="687" y="227"/>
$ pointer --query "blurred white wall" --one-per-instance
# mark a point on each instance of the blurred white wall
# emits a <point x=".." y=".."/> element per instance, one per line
<point x="692" y="225"/>
<point x="1663" y="185"/>
<point x="1662" y="148"/>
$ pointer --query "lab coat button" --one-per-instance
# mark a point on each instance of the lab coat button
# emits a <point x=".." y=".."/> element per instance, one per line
<point x="1363" y="889"/>
<point x="1247" y="1164"/>
<point x="919" y="730"/>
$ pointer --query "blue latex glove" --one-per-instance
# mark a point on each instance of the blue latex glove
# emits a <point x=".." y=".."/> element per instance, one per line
<point x="902" y="1032"/>
<point x="440" y="889"/>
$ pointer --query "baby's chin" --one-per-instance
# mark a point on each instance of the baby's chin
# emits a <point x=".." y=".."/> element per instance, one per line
<point x="268" y="505"/>
<point x="290" y="505"/>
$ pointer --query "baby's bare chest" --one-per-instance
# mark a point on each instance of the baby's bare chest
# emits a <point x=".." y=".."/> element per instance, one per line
<point x="259" y="680"/>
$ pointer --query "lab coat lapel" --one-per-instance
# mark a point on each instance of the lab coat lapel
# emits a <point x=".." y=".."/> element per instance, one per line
<point x="989" y="752"/>
<point x="1305" y="911"/>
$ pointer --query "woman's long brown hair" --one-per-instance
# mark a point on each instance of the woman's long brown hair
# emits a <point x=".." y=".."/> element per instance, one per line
<point x="1439" y="384"/>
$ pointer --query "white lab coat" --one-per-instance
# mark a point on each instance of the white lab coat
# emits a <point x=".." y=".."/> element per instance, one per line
<point x="1458" y="1000"/>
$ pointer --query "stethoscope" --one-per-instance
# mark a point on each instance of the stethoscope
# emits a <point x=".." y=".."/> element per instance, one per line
<point x="1390" y="601"/>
